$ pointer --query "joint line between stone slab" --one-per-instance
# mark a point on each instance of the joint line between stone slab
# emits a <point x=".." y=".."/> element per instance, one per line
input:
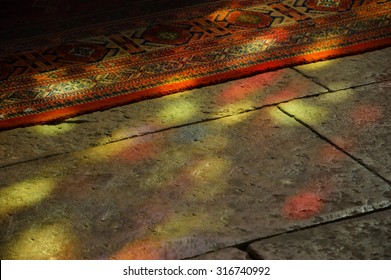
<point x="367" y="84"/>
<point x="312" y="79"/>
<point x="34" y="159"/>
<point x="244" y="111"/>
<point x="359" y="86"/>
<point x="168" y="128"/>
<point x="197" y="122"/>
<point x="359" y="161"/>
<point x="244" y="245"/>
<point x="156" y="131"/>
<point x="340" y="89"/>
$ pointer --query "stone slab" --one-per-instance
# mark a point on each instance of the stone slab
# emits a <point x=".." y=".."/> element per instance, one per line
<point x="357" y="120"/>
<point x="23" y="144"/>
<point x="182" y="192"/>
<point x="351" y="71"/>
<point x="367" y="237"/>
<point x="224" y="254"/>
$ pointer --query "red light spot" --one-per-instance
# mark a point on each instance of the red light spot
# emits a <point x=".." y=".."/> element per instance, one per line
<point x="329" y="153"/>
<point x="240" y="89"/>
<point x="138" y="152"/>
<point x="233" y="94"/>
<point x="344" y="143"/>
<point x="302" y="206"/>
<point x="140" y="250"/>
<point x="366" y="114"/>
<point x="283" y="95"/>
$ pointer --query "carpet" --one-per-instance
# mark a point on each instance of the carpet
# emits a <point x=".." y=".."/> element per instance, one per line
<point x="51" y="75"/>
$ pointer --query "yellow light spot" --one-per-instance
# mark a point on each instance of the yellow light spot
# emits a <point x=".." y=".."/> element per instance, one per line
<point x="99" y="153"/>
<point x="282" y="119"/>
<point x="44" y="241"/>
<point x="237" y="107"/>
<point x="211" y="168"/>
<point x="310" y="114"/>
<point x="53" y="130"/>
<point x="319" y="67"/>
<point x="127" y="132"/>
<point x="112" y="150"/>
<point x="180" y="226"/>
<point x="234" y="119"/>
<point x="25" y="194"/>
<point x="145" y="249"/>
<point x="220" y="141"/>
<point x="338" y="97"/>
<point x="104" y="140"/>
<point x="177" y="112"/>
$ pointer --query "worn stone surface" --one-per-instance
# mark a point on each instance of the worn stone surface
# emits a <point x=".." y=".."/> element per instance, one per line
<point x="23" y="144"/>
<point x="357" y="120"/>
<point x="352" y="71"/>
<point x="367" y="237"/>
<point x="224" y="254"/>
<point x="181" y="192"/>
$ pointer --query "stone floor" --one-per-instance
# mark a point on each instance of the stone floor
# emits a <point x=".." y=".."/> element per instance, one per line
<point x="290" y="164"/>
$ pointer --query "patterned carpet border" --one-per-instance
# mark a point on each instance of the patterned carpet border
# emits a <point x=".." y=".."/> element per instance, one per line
<point x="238" y="39"/>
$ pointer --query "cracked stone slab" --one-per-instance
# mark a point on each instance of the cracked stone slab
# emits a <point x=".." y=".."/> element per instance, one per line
<point x="351" y="71"/>
<point x="23" y="144"/>
<point x="181" y="192"/>
<point x="367" y="237"/>
<point x="224" y="254"/>
<point x="357" y="120"/>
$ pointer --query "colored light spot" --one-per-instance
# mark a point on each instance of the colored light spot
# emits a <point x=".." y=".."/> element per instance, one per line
<point x="44" y="241"/>
<point x="132" y="150"/>
<point x="338" y="98"/>
<point x="282" y="95"/>
<point x="238" y="107"/>
<point x="233" y="94"/>
<point x="302" y="206"/>
<point x="310" y="114"/>
<point x="282" y="119"/>
<point x="148" y="249"/>
<point x="221" y="140"/>
<point x="24" y="194"/>
<point x="137" y="151"/>
<point x="329" y="153"/>
<point x="320" y="66"/>
<point x="53" y="130"/>
<point x="177" y="112"/>
<point x="234" y="119"/>
<point x="248" y="88"/>
<point x="180" y="226"/>
<point x="344" y="143"/>
<point x="211" y="168"/>
<point x="366" y="114"/>
<point x="127" y="132"/>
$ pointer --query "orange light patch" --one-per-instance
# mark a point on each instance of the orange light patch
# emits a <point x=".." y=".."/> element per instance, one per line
<point x="366" y="114"/>
<point x="140" y="250"/>
<point x="283" y="95"/>
<point x="303" y="206"/>
<point x="234" y="93"/>
<point x="329" y="153"/>
<point x="344" y="143"/>
<point x="137" y="152"/>
<point x="241" y="89"/>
